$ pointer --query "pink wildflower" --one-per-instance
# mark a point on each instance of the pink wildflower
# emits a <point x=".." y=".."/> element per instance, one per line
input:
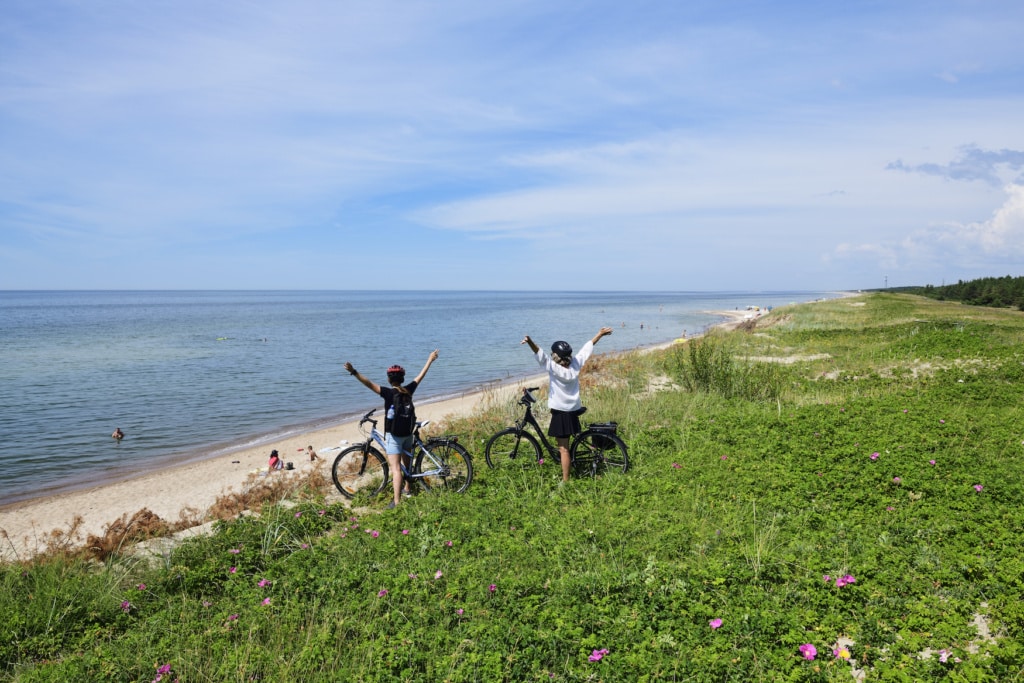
<point x="126" y="606"/>
<point x="841" y="653"/>
<point x="597" y="655"/>
<point x="459" y="611"/>
<point x="676" y="465"/>
<point x="896" y="480"/>
<point x="874" y="456"/>
<point x="266" y="601"/>
<point x="232" y="570"/>
<point x="931" y="462"/>
<point x="438" y="574"/>
<point x="405" y="532"/>
<point x="808" y="651"/>
<point x="382" y="592"/>
<point x="263" y="583"/>
<point x="715" y="623"/>
<point x="233" y="617"/>
<point x="943" y="656"/>
<point x="978" y="487"/>
<point x="492" y="588"/>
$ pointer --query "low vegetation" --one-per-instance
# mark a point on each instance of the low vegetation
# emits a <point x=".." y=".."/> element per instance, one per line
<point x="830" y="494"/>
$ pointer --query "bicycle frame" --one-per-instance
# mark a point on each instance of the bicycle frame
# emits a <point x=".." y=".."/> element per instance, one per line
<point x="529" y="419"/>
<point x="440" y="469"/>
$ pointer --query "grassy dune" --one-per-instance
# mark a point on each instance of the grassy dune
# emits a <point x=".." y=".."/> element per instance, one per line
<point x="840" y="476"/>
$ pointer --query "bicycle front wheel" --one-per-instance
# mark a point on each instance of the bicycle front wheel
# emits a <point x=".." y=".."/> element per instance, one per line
<point x="358" y="469"/>
<point x="445" y="465"/>
<point x="595" y="452"/>
<point x="512" y="447"/>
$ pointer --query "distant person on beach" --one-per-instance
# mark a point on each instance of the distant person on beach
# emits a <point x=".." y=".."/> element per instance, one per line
<point x="400" y="418"/>
<point x="275" y="461"/>
<point x="118" y="434"/>
<point x="312" y="454"/>
<point x="564" y="389"/>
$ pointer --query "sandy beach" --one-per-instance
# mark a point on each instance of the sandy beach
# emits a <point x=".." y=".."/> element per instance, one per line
<point x="25" y="526"/>
<point x="195" y="487"/>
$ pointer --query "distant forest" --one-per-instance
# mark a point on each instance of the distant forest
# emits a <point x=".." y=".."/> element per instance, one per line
<point x="998" y="292"/>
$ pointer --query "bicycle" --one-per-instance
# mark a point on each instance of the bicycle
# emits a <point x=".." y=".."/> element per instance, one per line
<point x="439" y="463"/>
<point x="597" y="448"/>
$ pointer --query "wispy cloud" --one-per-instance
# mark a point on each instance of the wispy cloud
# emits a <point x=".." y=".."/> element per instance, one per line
<point x="973" y="163"/>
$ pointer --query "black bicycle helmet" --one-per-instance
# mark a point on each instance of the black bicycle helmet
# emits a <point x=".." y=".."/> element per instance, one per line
<point x="396" y="374"/>
<point x="562" y="350"/>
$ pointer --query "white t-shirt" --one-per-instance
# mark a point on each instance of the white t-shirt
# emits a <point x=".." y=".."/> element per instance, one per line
<point x="564" y="382"/>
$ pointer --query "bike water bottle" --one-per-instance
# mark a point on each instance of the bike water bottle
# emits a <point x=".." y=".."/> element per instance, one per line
<point x="391" y="412"/>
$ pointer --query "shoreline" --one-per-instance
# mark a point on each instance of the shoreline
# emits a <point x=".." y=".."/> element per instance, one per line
<point x="193" y="486"/>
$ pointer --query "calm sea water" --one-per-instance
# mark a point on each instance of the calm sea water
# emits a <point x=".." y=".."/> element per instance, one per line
<point x="194" y="373"/>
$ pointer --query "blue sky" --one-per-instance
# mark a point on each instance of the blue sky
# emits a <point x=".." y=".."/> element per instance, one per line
<point x="644" y="145"/>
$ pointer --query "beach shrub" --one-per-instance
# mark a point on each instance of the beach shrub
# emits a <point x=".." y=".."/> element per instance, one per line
<point x="709" y="365"/>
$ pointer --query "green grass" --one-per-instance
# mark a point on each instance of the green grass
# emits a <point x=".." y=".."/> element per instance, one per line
<point x="738" y="502"/>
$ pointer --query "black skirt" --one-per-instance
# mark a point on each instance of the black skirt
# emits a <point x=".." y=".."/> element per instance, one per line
<point x="564" y="424"/>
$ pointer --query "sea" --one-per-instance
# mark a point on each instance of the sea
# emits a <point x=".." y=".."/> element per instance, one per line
<point x="188" y="375"/>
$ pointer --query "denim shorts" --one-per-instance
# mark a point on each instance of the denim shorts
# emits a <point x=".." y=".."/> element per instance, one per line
<point x="393" y="445"/>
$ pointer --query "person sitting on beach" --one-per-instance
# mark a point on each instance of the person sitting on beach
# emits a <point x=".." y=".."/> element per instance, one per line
<point x="312" y="454"/>
<point x="400" y="418"/>
<point x="275" y="461"/>
<point x="118" y="434"/>
<point x="564" y="389"/>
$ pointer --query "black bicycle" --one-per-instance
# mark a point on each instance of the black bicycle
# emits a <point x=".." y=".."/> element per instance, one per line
<point x="438" y="463"/>
<point x="595" y="450"/>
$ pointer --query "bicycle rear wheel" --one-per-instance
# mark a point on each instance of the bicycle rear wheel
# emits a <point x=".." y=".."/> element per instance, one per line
<point x="512" y="447"/>
<point x="594" y="452"/>
<point x="358" y="469"/>
<point x="447" y="466"/>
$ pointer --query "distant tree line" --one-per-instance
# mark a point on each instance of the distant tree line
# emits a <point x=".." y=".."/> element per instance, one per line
<point x="998" y="292"/>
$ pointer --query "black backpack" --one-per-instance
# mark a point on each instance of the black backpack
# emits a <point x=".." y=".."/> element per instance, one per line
<point x="404" y="419"/>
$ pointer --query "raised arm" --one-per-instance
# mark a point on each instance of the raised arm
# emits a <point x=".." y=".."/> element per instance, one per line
<point x="533" y="345"/>
<point x="369" y="384"/>
<point x="423" y="373"/>
<point x="605" y="331"/>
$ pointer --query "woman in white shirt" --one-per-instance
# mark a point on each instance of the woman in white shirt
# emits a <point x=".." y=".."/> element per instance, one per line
<point x="564" y="389"/>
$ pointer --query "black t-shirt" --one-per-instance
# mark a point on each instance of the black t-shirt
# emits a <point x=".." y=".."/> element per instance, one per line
<point x="388" y="394"/>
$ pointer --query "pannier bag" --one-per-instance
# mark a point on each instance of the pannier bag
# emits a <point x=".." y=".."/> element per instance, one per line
<point x="604" y="428"/>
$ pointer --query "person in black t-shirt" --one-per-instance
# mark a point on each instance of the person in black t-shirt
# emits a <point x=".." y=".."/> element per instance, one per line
<point x="400" y="417"/>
